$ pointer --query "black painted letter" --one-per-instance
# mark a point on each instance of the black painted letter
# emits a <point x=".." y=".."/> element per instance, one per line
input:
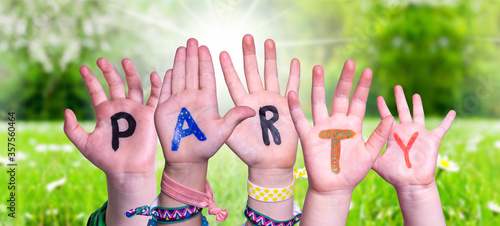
<point x="116" y="131"/>
<point x="266" y="124"/>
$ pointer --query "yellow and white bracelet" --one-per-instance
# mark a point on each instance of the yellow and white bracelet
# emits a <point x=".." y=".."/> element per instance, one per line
<point x="274" y="194"/>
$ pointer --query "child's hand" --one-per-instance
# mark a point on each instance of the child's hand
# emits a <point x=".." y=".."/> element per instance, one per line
<point x="191" y="85"/>
<point x="356" y="156"/>
<point x="263" y="147"/>
<point x="409" y="161"/>
<point x="335" y="166"/>
<point x="135" y="153"/>
<point x="267" y="143"/>
<point x="125" y="153"/>
<point x="418" y="165"/>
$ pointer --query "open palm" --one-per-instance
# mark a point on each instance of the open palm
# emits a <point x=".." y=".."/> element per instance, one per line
<point x="191" y="85"/>
<point x="417" y="168"/>
<point x="135" y="154"/>
<point x="356" y="156"/>
<point x="247" y="140"/>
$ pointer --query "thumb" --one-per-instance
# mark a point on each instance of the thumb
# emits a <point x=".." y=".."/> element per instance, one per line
<point x="378" y="138"/>
<point x="234" y="116"/>
<point x="75" y="133"/>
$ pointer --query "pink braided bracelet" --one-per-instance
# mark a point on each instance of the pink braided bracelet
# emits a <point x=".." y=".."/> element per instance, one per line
<point x="189" y="196"/>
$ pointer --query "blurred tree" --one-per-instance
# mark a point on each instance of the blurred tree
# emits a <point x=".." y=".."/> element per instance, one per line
<point x="423" y="48"/>
<point x="446" y="52"/>
<point x="43" y="44"/>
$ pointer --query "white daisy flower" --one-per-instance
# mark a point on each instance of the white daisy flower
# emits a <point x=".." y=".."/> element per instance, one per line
<point x="67" y="148"/>
<point x="32" y="141"/>
<point x="472" y="147"/>
<point x="51" y="186"/>
<point x="41" y="148"/>
<point x="51" y="212"/>
<point x="31" y="164"/>
<point x="4" y="161"/>
<point x="444" y="163"/>
<point x="21" y="156"/>
<point x="451" y="212"/>
<point x="77" y="164"/>
<point x="472" y="143"/>
<point x="497" y="144"/>
<point x="54" y="147"/>
<point x="493" y="207"/>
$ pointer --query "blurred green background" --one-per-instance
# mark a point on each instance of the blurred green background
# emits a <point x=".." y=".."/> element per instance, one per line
<point x="447" y="51"/>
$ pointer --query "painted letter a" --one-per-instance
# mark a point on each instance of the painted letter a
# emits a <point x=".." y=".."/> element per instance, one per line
<point x="193" y="128"/>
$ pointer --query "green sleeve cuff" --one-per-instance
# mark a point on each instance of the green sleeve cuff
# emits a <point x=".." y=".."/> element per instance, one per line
<point x="98" y="218"/>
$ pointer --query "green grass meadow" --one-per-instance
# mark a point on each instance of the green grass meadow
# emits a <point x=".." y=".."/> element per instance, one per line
<point x="45" y="155"/>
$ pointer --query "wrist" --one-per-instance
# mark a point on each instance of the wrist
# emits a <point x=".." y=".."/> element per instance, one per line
<point x="326" y="208"/>
<point x="421" y="200"/>
<point x="192" y="175"/>
<point x="131" y="182"/>
<point x="337" y="195"/>
<point x="126" y="191"/>
<point x="416" y="193"/>
<point x="271" y="178"/>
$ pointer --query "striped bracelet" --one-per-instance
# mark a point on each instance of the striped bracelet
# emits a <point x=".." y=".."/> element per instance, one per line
<point x="165" y="215"/>
<point x="259" y="219"/>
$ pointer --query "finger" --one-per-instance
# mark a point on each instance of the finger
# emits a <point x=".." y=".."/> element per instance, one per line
<point x="358" y="101"/>
<point x="155" y="90"/>
<point x="166" y="90"/>
<point x="340" y="102"/>
<point x="382" y="108"/>
<point x="418" y="110"/>
<point x="207" y="74"/>
<point x="294" y="78"/>
<point x="319" y="110"/>
<point x="236" y="89"/>
<point x="115" y="83"/>
<point x="252" y="76"/>
<point x="75" y="133"/>
<point x="133" y="81"/>
<point x="377" y="139"/>
<point x="96" y="92"/>
<point x="192" y="64"/>
<point x="233" y="117"/>
<point x="403" y="110"/>
<point x="445" y="125"/>
<point x="270" y="67"/>
<point x="179" y="71"/>
<point x="299" y="119"/>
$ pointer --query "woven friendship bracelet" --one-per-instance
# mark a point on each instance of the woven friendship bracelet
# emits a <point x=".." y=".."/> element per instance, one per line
<point x="259" y="219"/>
<point x="175" y="215"/>
<point x="189" y="196"/>
<point x="165" y="215"/>
<point x="274" y="194"/>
